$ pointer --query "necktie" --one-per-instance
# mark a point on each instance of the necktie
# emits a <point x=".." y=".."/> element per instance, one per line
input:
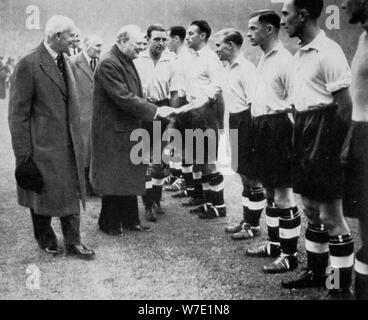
<point x="61" y="66"/>
<point x="93" y="63"/>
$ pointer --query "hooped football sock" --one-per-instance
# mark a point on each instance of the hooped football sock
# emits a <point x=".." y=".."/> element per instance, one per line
<point x="361" y="274"/>
<point x="217" y="185"/>
<point x="188" y="178"/>
<point x="245" y="200"/>
<point x="316" y="244"/>
<point x="289" y="230"/>
<point x="256" y="205"/>
<point x="342" y="259"/>
<point x="197" y="183"/>
<point x="273" y="224"/>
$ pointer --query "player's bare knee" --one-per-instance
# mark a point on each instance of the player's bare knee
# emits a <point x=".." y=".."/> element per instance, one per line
<point x="363" y="224"/>
<point x="284" y="198"/>
<point x="311" y="211"/>
<point x="327" y="220"/>
<point x="269" y="195"/>
<point x="331" y="215"/>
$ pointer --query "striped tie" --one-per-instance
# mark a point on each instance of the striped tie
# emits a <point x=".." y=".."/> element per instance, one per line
<point x="93" y="64"/>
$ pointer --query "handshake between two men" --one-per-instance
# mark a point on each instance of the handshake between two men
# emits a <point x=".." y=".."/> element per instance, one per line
<point x="169" y="112"/>
<point x="166" y="112"/>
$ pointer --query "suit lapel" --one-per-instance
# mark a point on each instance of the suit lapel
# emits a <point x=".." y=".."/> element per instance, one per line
<point x="82" y="64"/>
<point x="51" y="70"/>
<point x="136" y="77"/>
<point x="72" y="89"/>
<point x="133" y="72"/>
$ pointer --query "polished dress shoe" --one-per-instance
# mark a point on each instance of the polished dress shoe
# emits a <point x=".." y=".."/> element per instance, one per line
<point x="80" y="251"/>
<point x="53" y="249"/>
<point x="112" y="232"/>
<point x="193" y="202"/>
<point x="150" y="215"/>
<point x="282" y="264"/>
<point x="264" y="251"/>
<point x="247" y="232"/>
<point x="139" y="228"/>
<point x="306" y="280"/>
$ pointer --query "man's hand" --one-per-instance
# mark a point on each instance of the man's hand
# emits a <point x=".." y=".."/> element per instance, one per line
<point x="165" y="112"/>
<point x="182" y="109"/>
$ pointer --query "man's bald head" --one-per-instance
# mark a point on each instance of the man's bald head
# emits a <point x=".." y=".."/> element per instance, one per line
<point x="93" y="45"/>
<point x="128" y="38"/>
<point x="59" y="24"/>
<point x="60" y="33"/>
<point x="129" y="31"/>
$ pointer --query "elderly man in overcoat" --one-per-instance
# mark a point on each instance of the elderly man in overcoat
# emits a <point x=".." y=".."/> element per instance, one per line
<point x="45" y="129"/>
<point x="84" y="65"/>
<point x="118" y="110"/>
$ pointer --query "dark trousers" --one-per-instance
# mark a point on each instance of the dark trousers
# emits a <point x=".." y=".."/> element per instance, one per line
<point x="89" y="189"/>
<point x="45" y="235"/>
<point x="118" y="211"/>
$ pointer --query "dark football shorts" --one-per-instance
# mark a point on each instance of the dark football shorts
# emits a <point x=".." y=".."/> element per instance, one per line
<point x="202" y="148"/>
<point x="355" y="159"/>
<point x="273" y="149"/>
<point x="242" y="147"/>
<point x="319" y="135"/>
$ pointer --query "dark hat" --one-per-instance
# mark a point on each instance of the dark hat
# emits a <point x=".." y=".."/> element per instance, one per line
<point x="29" y="177"/>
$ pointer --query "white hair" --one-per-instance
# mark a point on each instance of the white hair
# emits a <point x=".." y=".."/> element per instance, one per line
<point x="127" y="31"/>
<point x="92" y="38"/>
<point x="58" y="24"/>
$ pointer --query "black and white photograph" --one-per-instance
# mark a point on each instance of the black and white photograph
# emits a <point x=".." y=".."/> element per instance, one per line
<point x="202" y="152"/>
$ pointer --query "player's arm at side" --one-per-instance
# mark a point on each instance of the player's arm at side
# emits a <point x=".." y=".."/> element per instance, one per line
<point x="343" y="99"/>
<point x="337" y="76"/>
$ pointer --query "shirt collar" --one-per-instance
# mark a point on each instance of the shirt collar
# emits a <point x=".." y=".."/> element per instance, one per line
<point x="238" y="61"/>
<point x="183" y="51"/>
<point x="165" y="56"/>
<point x="88" y="58"/>
<point x="53" y="53"/>
<point x="315" y="44"/>
<point x="202" y="51"/>
<point x="278" y="47"/>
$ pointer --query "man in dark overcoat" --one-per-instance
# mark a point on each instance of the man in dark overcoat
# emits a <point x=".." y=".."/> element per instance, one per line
<point x="45" y="130"/>
<point x="118" y="110"/>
